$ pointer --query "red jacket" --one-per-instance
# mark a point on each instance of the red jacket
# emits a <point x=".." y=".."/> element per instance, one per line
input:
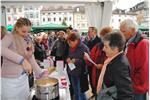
<point x="138" y="56"/>
<point x="98" y="56"/>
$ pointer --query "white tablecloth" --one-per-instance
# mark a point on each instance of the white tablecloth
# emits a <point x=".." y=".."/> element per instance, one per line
<point x="64" y="93"/>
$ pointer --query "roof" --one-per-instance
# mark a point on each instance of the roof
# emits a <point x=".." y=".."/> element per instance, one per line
<point x="49" y="26"/>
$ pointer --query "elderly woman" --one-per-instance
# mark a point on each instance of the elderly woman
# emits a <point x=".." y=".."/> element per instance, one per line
<point x="18" y="62"/>
<point x="116" y="69"/>
<point x="39" y="53"/>
<point x="77" y="66"/>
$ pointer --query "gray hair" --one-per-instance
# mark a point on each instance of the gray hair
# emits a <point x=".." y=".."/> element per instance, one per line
<point x="116" y="39"/>
<point x="129" y="23"/>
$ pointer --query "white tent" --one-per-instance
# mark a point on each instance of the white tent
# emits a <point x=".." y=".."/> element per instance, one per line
<point x="98" y="11"/>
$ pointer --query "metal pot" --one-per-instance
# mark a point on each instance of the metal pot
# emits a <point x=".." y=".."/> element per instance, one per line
<point x="47" y="89"/>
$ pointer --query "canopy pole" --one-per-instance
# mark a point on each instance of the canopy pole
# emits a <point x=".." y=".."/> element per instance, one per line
<point x="3" y="16"/>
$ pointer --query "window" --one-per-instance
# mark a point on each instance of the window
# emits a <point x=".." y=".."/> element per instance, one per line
<point x="54" y="19"/>
<point x="14" y="10"/>
<point x="70" y="19"/>
<point x="54" y="13"/>
<point x="20" y="9"/>
<point x="8" y="9"/>
<point x="78" y="17"/>
<point x="49" y="19"/>
<point x="37" y="15"/>
<point x="31" y="8"/>
<point x="31" y="15"/>
<point x="43" y="19"/>
<point x="25" y="8"/>
<point x="59" y="18"/>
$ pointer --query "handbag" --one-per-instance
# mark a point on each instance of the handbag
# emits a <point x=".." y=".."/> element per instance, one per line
<point x="107" y="93"/>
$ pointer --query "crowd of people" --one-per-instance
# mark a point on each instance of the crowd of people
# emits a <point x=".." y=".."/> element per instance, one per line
<point x="121" y="61"/>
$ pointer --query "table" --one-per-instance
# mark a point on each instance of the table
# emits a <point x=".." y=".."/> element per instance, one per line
<point x="64" y="93"/>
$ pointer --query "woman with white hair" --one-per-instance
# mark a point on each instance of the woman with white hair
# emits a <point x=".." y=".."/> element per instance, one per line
<point x="137" y="47"/>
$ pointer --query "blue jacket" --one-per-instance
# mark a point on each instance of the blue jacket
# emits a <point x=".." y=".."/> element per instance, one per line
<point x="81" y="69"/>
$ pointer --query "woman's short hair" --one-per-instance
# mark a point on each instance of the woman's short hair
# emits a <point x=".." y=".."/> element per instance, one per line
<point x="73" y="36"/>
<point x="105" y="30"/>
<point x="116" y="39"/>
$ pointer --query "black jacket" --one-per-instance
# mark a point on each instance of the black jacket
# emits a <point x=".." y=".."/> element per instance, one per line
<point x="92" y="43"/>
<point x="118" y="74"/>
<point x="60" y="48"/>
<point x="39" y="52"/>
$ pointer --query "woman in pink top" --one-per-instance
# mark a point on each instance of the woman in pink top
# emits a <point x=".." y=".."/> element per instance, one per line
<point x="18" y="62"/>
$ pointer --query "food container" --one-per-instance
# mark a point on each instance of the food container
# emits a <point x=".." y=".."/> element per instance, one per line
<point x="47" y="89"/>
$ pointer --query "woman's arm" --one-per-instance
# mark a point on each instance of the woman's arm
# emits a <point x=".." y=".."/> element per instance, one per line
<point x="9" y="54"/>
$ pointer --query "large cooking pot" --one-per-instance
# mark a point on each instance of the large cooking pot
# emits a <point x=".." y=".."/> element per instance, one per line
<point x="47" y="89"/>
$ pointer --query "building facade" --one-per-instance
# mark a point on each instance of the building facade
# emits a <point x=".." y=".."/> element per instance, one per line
<point x="33" y="13"/>
<point x="72" y="15"/>
<point x="119" y="15"/>
<point x="57" y="15"/>
<point x="13" y="13"/>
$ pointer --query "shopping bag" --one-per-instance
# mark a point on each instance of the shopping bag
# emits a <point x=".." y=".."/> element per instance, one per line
<point x="107" y="93"/>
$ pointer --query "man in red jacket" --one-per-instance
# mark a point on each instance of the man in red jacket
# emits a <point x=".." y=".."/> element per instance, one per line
<point x="137" y="48"/>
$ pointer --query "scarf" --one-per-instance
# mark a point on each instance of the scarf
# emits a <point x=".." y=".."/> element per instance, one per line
<point x="24" y="45"/>
<point x="73" y="49"/>
<point x="100" y="80"/>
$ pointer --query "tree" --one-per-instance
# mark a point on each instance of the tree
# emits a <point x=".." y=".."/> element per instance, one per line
<point x="64" y="22"/>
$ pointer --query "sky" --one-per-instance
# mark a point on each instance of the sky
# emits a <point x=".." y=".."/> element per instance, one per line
<point x="125" y="4"/>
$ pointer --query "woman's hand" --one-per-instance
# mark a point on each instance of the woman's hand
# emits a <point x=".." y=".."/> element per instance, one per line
<point x="26" y="66"/>
<point x="70" y="60"/>
<point x="44" y="73"/>
<point x="99" y="66"/>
